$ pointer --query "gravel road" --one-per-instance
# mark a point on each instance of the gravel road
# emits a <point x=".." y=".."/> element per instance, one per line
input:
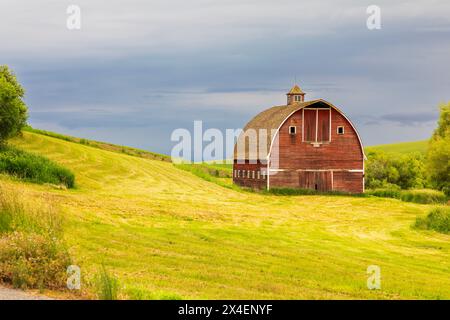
<point x="13" y="294"/>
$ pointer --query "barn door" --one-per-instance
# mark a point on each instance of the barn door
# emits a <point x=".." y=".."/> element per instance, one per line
<point x="315" y="180"/>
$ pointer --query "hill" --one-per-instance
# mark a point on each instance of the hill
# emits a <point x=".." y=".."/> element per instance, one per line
<point x="166" y="233"/>
<point x="402" y="147"/>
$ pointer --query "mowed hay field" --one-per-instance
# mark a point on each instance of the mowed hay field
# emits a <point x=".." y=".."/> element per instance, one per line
<point x="402" y="147"/>
<point x="166" y="232"/>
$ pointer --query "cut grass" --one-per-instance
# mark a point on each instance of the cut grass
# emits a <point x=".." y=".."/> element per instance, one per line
<point x="401" y="147"/>
<point x="102" y="145"/>
<point x="162" y="229"/>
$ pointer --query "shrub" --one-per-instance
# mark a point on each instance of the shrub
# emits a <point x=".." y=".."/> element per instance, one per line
<point x="385" y="170"/>
<point x="29" y="260"/>
<point x="416" y="195"/>
<point x="438" y="219"/>
<point x="423" y="196"/>
<point x="33" y="168"/>
<point x="32" y="252"/>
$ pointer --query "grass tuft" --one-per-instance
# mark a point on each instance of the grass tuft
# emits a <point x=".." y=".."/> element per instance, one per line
<point x="107" y="285"/>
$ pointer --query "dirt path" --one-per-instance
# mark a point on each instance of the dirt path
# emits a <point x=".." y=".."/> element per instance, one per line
<point x="13" y="294"/>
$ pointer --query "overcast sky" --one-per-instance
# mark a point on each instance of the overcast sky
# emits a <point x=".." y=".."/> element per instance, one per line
<point x="137" y="70"/>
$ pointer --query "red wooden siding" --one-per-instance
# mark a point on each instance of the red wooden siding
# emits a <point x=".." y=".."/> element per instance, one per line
<point x="316" y="180"/>
<point x="323" y="128"/>
<point x="310" y="125"/>
<point x="341" y="154"/>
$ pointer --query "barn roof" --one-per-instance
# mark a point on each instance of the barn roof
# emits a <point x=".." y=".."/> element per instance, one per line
<point x="270" y="120"/>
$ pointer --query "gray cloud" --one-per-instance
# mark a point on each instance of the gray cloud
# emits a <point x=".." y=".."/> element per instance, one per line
<point x="149" y="67"/>
<point x="409" y="119"/>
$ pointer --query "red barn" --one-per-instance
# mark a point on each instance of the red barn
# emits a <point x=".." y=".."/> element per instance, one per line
<point x="304" y="144"/>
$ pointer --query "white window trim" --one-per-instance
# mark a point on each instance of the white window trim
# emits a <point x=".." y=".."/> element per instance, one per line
<point x="295" y="130"/>
<point x="343" y="130"/>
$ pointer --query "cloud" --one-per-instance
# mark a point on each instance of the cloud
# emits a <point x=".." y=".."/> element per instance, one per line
<point x="151" y="66"/>
<point x="410" y="119"/>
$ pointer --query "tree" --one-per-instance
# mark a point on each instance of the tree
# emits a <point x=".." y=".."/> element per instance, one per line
<point x="385" y="170"/>
<point x="439" y="152"/>
<point x="13" y="111"/>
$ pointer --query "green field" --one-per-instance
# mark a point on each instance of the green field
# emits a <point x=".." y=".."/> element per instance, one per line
<point x="164" y="232"/>
<point x="402" y="147"/>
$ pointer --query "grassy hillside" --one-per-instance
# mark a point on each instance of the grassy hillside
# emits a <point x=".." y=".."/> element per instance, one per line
<point x="166" y="233"/>
<point x="402" y="147"/>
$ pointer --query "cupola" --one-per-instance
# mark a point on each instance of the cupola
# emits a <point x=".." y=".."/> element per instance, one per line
<point x="296" y="95"/>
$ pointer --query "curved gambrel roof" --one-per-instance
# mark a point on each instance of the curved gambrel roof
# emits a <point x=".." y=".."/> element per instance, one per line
<point x="272" y="119"/>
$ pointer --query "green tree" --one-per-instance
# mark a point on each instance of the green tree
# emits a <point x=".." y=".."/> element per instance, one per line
<point x="13" y="111"/>
<point x="439" y="152"/>
<point x="385" y="170"/>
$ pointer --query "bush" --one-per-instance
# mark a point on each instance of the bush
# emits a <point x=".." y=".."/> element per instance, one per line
<point x="385" y="193"/>
<point x="416" y="195"/>
<point x="32" y="252"/>
<point x="423" y="196"/>
<point x="33" y="168"/>
<point x="29" y="260"/>
<point x="385" y="170"/>
<point x="438" y="219"/>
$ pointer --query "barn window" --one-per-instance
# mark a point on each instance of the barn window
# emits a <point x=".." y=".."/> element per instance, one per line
<point x="243" y="173"/>
<point x="259" y="175"/>
<point x="316" y="125"/>
<point x="263" y="174"/>
<point x="340" y="130"/>
<point x="253" y="174"/>
<point x="292" y="130"/>
<point x="248" y="174"/>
